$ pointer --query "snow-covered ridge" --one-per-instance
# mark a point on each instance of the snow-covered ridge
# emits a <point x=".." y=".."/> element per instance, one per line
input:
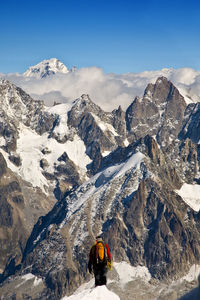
<point x="46" y="68"/>
<point x="101" y="180"/>
<point x="98" y="293"/>
<point x="125" y="274"/>
<point x="92" y="190"/>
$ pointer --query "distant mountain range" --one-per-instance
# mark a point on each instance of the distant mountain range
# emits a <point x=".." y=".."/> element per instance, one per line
<point x="73" y="170"/>
<point x="52" y="81"/>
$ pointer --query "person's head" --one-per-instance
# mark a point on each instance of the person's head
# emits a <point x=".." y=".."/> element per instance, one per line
<point x="98" y="238"/>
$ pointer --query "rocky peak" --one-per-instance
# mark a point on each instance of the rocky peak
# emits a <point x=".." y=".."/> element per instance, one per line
<point x="19" y="210"/>
<point x="95" y="127"/>
<point x="17" y="107"/>
<point x="15" y="103"/>
<point x="119" y="123"/>
<point x="85" y="104"/>
<point x="161" y="91"/>
<point x="160" y="112"/>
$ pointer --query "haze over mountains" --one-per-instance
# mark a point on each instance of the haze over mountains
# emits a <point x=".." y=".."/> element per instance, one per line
<point x="73" y="170"/>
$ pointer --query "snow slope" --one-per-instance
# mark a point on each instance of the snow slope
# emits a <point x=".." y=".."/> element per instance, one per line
<point x="99" y="183"/>
<point x="92" y="190"/>
<point x="127" y="273"/>
<point x="30" y="146"/>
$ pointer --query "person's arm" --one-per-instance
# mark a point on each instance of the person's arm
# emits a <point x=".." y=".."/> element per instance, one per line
<point x="90" y="255"/>
<point x="90" y="259"/>
<point x="108" y="252"/>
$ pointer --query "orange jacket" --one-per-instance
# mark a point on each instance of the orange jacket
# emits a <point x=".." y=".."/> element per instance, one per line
<point x="92" y="256"/>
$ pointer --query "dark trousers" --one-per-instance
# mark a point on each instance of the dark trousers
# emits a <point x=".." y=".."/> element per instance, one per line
<point x="100" y="271"/>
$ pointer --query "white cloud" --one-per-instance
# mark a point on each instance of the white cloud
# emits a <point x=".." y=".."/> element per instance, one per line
<point x="185" y="76"/>
<point x="107" y="90"/>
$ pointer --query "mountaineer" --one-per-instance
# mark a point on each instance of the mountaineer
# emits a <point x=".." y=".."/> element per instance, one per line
<point x="100" y="261"/>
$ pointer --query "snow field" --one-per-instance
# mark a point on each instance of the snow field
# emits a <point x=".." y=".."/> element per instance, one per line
<point x="128" y="273"/>
<point x="190" y="193"/>
<point x="29" y="147"/>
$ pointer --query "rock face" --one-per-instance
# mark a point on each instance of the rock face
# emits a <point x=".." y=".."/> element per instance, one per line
<point x="127" y="187"/>
<point x="18" y="212"/>
<point x="160" y="112"/>
<point x="191" y="127"/>
<point x="100" y="131"/>
<point x="18" y="107"/>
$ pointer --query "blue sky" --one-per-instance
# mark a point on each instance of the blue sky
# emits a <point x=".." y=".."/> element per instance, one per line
<point x="117" y="36"/>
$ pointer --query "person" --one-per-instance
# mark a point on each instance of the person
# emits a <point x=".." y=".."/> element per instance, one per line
<point x="100" y="261"/>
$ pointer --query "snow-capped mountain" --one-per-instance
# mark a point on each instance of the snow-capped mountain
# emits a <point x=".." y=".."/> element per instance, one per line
<point x="46" y="68"/>
<point x="131" y="175"/>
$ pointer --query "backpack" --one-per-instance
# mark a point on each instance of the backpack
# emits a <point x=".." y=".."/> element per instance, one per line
<point x="101" y="252"/>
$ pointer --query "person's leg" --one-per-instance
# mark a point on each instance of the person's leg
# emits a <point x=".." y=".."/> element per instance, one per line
<point x="97" y="280"/>
<point x="97" y="277"/>
<point x="103" y="272"/>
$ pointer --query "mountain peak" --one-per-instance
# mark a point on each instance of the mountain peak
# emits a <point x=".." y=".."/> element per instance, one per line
<point x="46" y="68"/>
<point x="84" y="100"/>
<point x="4" y="82"/>
<point x="162" y="79"/>
<point x="161" y="90"/>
